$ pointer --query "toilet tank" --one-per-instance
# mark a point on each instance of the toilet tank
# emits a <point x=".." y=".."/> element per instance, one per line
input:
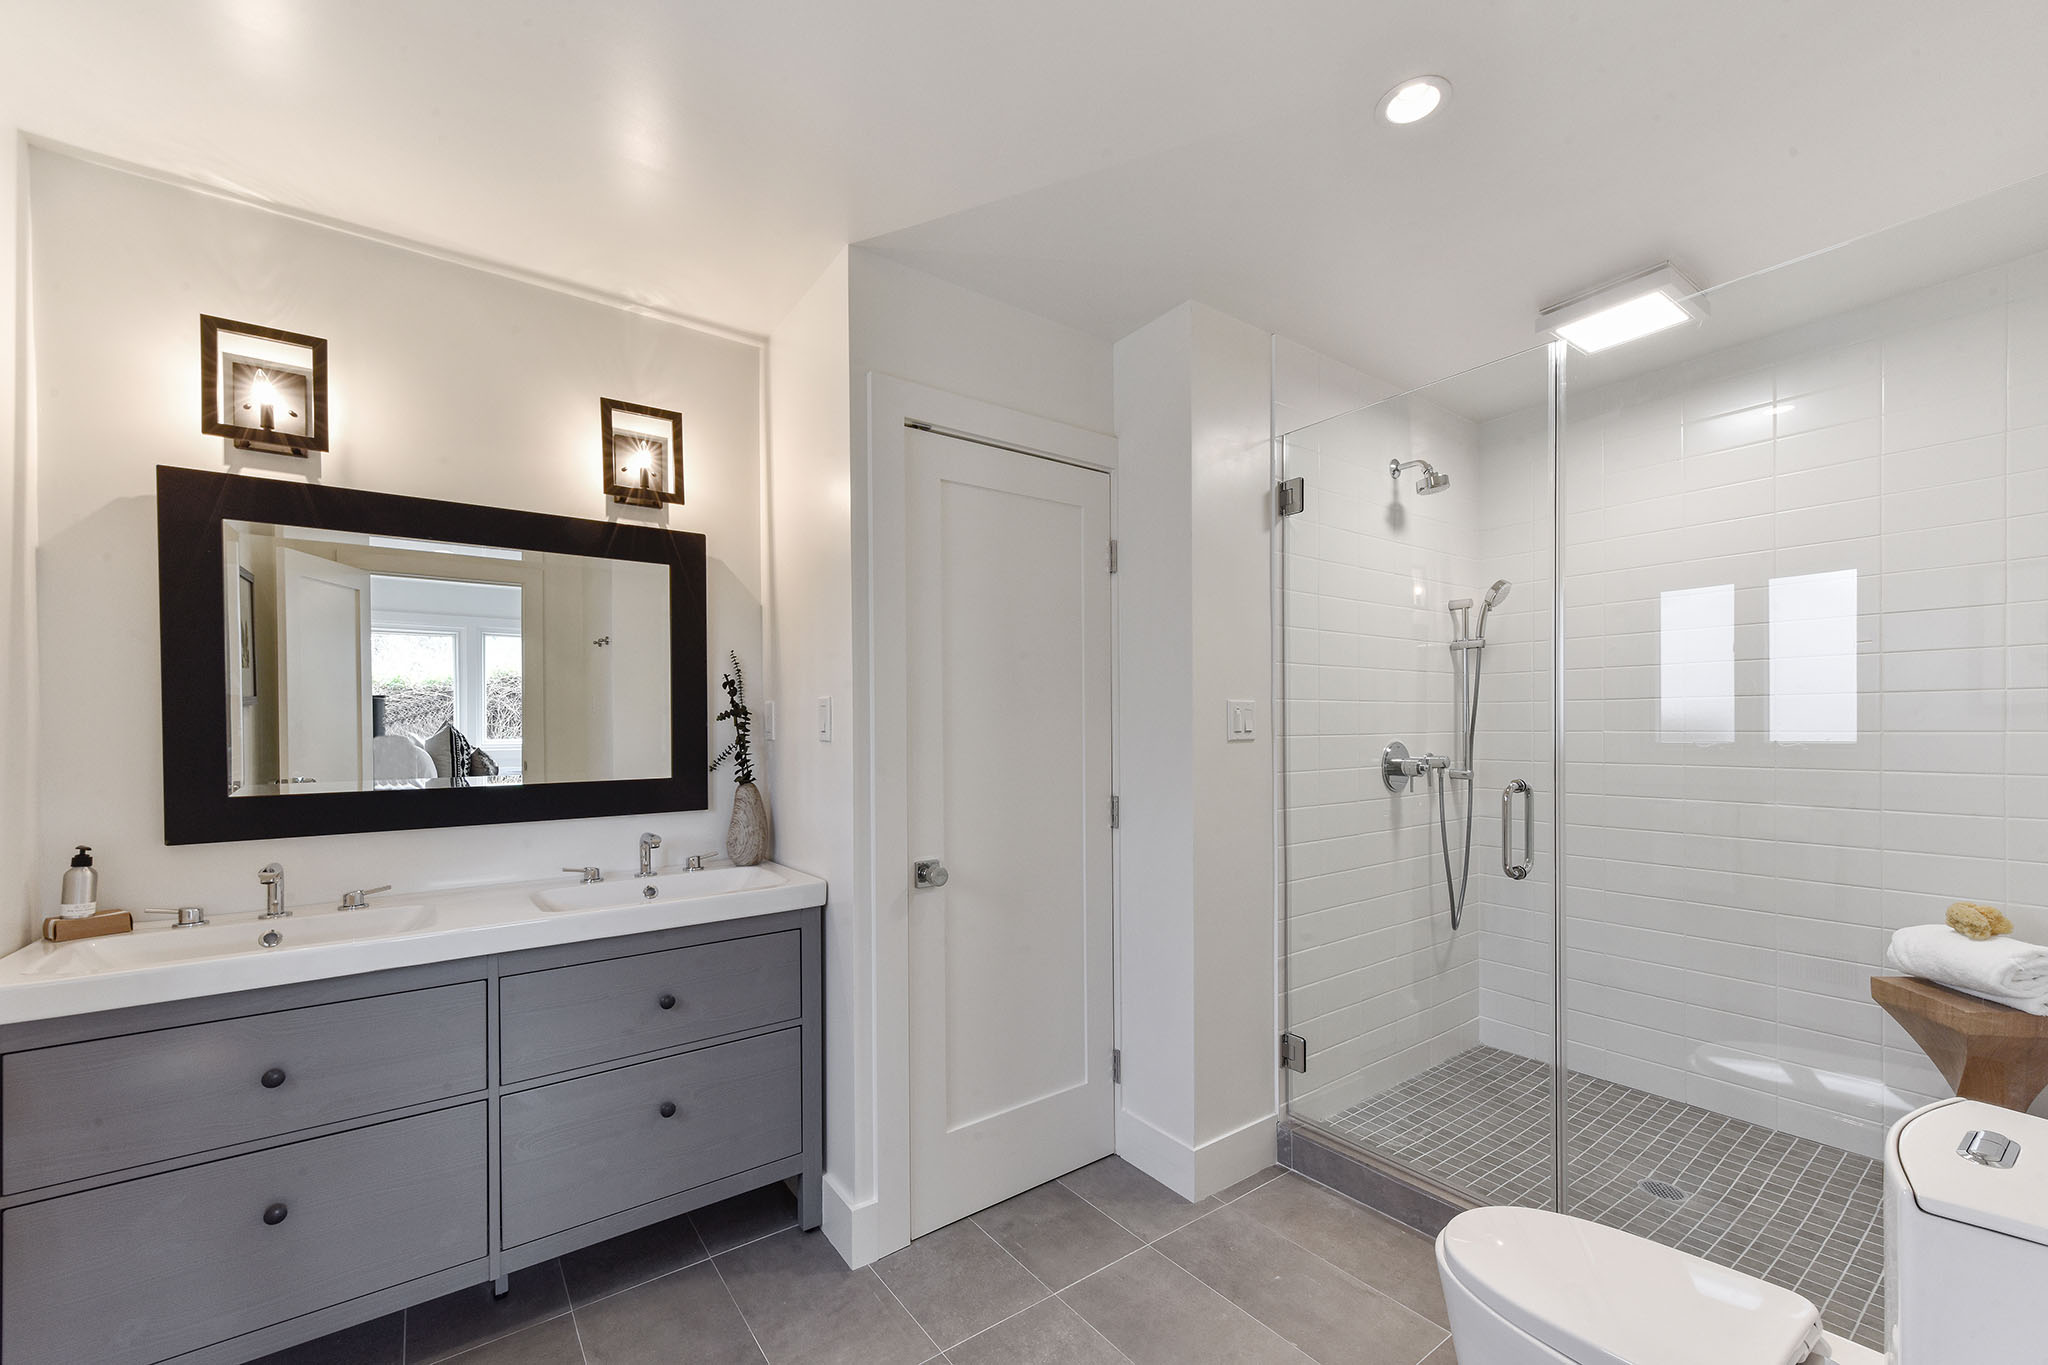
<point x="1966" y="1235"/>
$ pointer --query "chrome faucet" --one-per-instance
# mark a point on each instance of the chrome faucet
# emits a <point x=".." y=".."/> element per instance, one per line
<point x="272" y="877"/>
<point x="648" y="843"/>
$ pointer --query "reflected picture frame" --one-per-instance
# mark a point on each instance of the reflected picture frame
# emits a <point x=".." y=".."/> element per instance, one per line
<point x="642" y="452"/>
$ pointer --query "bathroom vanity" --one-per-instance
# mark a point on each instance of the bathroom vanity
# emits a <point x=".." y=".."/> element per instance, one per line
<point x="208" y="1177"/>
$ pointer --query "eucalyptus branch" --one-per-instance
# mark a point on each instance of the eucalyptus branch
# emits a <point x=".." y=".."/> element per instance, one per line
<point x="741" y="749"/>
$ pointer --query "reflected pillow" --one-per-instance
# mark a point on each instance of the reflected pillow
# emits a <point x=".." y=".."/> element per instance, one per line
<point x="482" y="764"/>
<point x="450" y="749"/>
<point x="399" y="758"/>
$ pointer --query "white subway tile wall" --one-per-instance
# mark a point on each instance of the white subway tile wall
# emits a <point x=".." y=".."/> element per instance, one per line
<point x="1378" y="983"/>
<point x="1731" y="883"/>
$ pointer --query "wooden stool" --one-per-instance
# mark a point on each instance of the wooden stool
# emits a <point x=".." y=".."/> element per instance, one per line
<point x="1987" y="1051"/>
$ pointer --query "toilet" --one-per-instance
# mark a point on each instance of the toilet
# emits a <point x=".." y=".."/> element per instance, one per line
<point x="1966" y="1256"/>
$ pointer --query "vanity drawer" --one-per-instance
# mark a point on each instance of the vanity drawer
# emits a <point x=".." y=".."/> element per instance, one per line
<point x="568" y="1017"/>
<point x="142" y="1271"/>
<point x="81" y="1109"/>
<point x="582" y="1149"/>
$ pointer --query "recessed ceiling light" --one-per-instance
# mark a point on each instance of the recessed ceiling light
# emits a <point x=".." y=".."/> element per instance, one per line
<point x="1631" y="307"/>
<point x="1414" y="100"/>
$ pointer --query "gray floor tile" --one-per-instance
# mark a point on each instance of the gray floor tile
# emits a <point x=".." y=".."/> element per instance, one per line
<point x="1329" y="1315"/>
<point x="547" y="1343"/>
<point x="745" y="1217"/>
<point x="1133" y="1198"/>
<point x="381" y="1341"/>
<point x="1049" y="1334"/>
<point x="1397" y="1261"/>
<point x="1158" y="1314"/>
<point x="804" y="1305"/>
<point x="1250" y="1183"/>
<point x="687" y="1315"/>
<point x="1056" y="1234"/>
<point x="1446" y="1354"/>
<point x="957" y="1281"/>
<point x="468" y="1317"/>
<point x="631" y="1259"/>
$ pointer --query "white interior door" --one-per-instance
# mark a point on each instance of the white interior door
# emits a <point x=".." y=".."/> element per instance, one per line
<point x="1011" y="990"/>
<point x="323" y="630"/>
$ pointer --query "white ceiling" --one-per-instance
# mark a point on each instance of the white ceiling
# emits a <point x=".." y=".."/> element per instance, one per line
<point x="1096" y="161"/>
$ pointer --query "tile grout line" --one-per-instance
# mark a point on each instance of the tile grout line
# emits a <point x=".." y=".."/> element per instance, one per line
<point x="894" y="1298"/>
<point x="1366" y="1285"/>
<point x="733" y="1299"/>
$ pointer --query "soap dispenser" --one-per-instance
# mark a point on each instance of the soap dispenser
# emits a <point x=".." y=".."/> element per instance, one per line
<point x="81" y="893"/>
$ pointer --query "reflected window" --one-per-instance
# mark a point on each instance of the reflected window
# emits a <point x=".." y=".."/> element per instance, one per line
<point x="1696" y="666"/>
<point x="414" y="671"/>
<point x="1813" y="658"/>
<point x="503" y="680"/>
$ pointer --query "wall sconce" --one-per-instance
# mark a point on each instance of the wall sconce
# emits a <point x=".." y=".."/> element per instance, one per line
<point x="643" y="454"/>
<point x="262" y="388"/>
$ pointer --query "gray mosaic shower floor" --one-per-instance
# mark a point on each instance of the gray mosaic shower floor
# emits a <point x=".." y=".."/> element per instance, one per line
<point x="1798" y="1213"/>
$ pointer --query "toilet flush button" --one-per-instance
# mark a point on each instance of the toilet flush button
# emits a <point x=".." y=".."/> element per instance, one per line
<point x="1987" y="1148"/>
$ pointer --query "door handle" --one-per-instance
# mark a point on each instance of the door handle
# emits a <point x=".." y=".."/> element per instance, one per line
<point x="929" y="874"/>
<point x="1518" y="787"/>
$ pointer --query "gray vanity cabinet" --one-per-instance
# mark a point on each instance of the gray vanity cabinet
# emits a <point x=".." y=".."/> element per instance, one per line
<point x="212" y="1180"/>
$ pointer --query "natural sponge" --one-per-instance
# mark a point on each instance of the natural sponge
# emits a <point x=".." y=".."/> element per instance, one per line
<point x="1977" y="921"/>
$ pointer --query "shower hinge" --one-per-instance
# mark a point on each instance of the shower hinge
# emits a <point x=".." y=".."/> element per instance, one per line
<point x="1116" y="1066"/>
<point x="1112" y="556"/>
<point x="1293" y="496"/>
<point x="1293" y="1052"/>
<point x="1116" y="813"/>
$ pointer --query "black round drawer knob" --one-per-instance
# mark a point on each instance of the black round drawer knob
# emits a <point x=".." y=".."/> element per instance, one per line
<point x="274" y="1214"/>
<point x="272" y="1079"/>
<point x="668" y="1109"/>
<point x="667" y="1001"/>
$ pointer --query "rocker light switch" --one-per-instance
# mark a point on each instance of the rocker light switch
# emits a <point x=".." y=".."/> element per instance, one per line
<point x="1240" y="721"/>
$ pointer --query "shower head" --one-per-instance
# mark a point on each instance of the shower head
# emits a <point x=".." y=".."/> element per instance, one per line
<point x="1495" y="595"/>
<point x="1430" y="482"/>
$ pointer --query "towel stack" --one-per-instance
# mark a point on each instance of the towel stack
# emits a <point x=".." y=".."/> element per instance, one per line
<point x="1998" y="969"/>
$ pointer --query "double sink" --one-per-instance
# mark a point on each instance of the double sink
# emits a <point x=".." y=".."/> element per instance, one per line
<point x="159" y="961"/>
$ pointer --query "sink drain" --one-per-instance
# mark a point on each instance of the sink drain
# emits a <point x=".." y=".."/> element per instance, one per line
<point x="1657" y="1189"/>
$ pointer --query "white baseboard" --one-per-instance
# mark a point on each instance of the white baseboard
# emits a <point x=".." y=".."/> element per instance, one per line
<point x="1196" y="1172"/>
<point x="854" y="1230"/>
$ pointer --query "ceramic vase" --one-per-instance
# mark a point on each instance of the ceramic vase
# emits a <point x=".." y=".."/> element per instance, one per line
<point x="746" y="839"/>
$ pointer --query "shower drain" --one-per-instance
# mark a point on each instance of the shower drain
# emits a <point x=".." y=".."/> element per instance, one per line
<point x="1657" y="1189"/>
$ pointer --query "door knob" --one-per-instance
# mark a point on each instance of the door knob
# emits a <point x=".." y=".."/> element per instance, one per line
<point x="930" y="873"/>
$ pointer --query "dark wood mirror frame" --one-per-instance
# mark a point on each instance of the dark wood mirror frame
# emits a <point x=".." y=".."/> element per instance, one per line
<point x="192" y="504"/>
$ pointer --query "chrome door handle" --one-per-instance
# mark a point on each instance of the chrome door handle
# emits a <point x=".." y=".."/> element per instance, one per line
<point x="929" y="874"/>
<point x="1518" y="787"/>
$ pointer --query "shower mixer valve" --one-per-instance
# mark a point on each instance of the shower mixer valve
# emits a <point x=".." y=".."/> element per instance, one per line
<point x="1397" y="769"/>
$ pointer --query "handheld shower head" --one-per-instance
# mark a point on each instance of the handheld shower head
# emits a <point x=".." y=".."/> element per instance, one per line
<point x="1495" y="595"/>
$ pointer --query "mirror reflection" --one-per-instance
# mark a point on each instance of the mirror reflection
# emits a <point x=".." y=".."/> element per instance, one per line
<point x="359" y="662"/>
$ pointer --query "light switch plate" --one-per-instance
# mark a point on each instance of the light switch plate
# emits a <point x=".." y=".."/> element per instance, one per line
<point x="824" y="720"/>
<point x="1240" y="721"/>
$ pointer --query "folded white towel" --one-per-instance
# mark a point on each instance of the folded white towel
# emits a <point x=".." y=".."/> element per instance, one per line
<point x="2001" y="969"/>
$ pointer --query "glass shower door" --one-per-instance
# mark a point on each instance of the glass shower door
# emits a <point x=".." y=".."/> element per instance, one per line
<point x="1418" y="777"/>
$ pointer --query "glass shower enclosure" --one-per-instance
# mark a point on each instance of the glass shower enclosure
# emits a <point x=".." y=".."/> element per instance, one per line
<point x="1754" y="615"/>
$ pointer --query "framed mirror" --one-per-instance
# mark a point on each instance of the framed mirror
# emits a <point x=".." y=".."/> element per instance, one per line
<point x="336" y="661"/>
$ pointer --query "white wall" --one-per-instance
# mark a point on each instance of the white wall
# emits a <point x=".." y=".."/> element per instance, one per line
<point x="1194" y="423"/>
<point x="447" y="382"/>
<point x="819" y="796"/>
<point x="18" y="874"/>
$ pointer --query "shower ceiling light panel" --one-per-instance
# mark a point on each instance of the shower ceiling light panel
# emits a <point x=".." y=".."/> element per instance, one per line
<point x="1635" y="306"/>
